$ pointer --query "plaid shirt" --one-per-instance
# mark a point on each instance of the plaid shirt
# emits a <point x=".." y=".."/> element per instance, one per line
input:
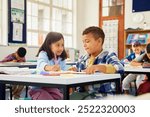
<point x="12" y="57"/>
<point x="105" y="57"/>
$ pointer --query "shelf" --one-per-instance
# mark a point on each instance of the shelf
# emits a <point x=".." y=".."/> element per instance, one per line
<point x="137" y="36"/>
<point x="137" y="31"/>
<point x="131" y="45"/>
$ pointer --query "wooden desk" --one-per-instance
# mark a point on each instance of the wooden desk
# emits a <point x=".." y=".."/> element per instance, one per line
<point x="64" y="82"/>
<point x="14" y="64"/>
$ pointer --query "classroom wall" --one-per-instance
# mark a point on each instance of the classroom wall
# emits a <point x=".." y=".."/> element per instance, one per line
<point x="87" y="15"/>
<point x="129" y="16"/>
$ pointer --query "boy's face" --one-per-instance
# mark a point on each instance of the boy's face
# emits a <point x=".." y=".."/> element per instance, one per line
<point x="92" y="46"/>
<point x="58" y="47"/>
<point x="136" y="50"/>
<point x="18" y="57"/>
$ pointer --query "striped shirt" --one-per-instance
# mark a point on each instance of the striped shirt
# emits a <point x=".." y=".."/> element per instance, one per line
<point x="105" y="57"/>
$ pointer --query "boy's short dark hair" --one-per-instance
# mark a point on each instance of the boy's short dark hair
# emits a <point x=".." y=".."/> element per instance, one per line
<point x="148" y="48"/>
<point x="136" y="44"/>
<point x="97" y="32"/>
<point x="21" y="52"/>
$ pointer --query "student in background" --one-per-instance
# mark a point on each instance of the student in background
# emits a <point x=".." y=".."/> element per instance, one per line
<point x="142" y="60"/>
<point x="97" y="59"/>
<point x="136" y="51"/>
<point x="51" y="57"/>
<point x="18" y="56"/>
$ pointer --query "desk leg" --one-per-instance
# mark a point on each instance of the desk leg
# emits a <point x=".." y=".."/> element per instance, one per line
<point x="66" y="92"/>
<point x="2" y="91"/>
<point x="118" y="87"/>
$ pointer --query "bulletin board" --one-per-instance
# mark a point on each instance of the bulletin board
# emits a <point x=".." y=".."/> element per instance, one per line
<point x="17" y="21"/>
<point x="110" y="28"/>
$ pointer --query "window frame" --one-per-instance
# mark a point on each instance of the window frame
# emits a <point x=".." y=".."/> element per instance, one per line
<point x="4" y="23"/>
<point x="51" y="6"/>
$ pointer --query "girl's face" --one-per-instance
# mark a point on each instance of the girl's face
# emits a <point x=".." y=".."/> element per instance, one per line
<point x="58" y="47"/>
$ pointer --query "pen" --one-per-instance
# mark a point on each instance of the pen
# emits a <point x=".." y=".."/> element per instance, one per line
<point x="55" y="59"/>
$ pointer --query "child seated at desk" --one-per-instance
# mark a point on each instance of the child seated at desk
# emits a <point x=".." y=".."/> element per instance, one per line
<point x="137" y="50"/>
<point x="139" y="61"/>
<point x="18" y="56"/>
<point x="97" y="59"/>
<point x="51" y="57"/>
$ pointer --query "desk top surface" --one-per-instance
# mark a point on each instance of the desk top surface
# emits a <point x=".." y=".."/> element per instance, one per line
<point x="63" y="79"/>
<point x="17" y="64"/>
<point x="136" y="69"/>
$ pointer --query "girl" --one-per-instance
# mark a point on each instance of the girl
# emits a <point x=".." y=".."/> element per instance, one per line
<point x="51" y="57"/>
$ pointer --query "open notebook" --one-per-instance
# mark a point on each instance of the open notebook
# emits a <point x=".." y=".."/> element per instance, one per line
<point x="16" y="70"/>
<point x="54" y="73"/>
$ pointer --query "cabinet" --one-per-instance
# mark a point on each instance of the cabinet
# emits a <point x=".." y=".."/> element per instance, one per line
<point x="130" y="36"/>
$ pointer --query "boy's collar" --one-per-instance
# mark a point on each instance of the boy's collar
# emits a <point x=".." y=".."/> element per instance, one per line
<point x="97" y="55"/>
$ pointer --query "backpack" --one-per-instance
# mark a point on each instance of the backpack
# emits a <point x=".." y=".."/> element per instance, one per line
<point x="144" y="88"/>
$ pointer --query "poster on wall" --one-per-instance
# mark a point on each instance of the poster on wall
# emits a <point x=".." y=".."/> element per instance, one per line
<point x="17" y="15"/>
<point x="110" y="28"/>
<point x="17" y="21"/>
<point x="18" y="4"/>
<point x="17" y="32"/>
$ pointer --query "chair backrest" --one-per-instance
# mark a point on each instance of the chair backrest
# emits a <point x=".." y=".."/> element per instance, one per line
<point x="144" y="88"/>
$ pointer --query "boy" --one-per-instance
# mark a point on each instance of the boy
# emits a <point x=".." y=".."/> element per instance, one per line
<point x="18" y="56"/>
<point x="97" y="59"/>
<point x="137" y="50"/>
<point x="142" y="60"/>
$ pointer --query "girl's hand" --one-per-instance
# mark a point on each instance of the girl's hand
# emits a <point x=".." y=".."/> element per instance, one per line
<point x="55" y="68"/>
<point x="72" y="69"/>
<point x="52" y="68"/>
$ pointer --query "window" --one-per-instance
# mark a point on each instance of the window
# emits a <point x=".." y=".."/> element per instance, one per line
<point x="112" y="7"/>
<point x="0" y="21"/>
<point x="44" y="16"/>
<point x="62" y="19"/>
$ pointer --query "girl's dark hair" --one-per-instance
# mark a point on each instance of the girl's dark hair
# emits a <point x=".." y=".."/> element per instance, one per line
<point x="145" y="57"/>
<point x="51" y="38"/>
<point x="148" y="48"/>
<point x="95" y="31"/>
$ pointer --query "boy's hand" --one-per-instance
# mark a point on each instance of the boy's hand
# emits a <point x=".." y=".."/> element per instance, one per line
<point x="134" y="63"/>
<point x="91" y="70"/>
<point x="126" y="60"/>
<point x="14" y="61"/>
<point x="72" y="69"/>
